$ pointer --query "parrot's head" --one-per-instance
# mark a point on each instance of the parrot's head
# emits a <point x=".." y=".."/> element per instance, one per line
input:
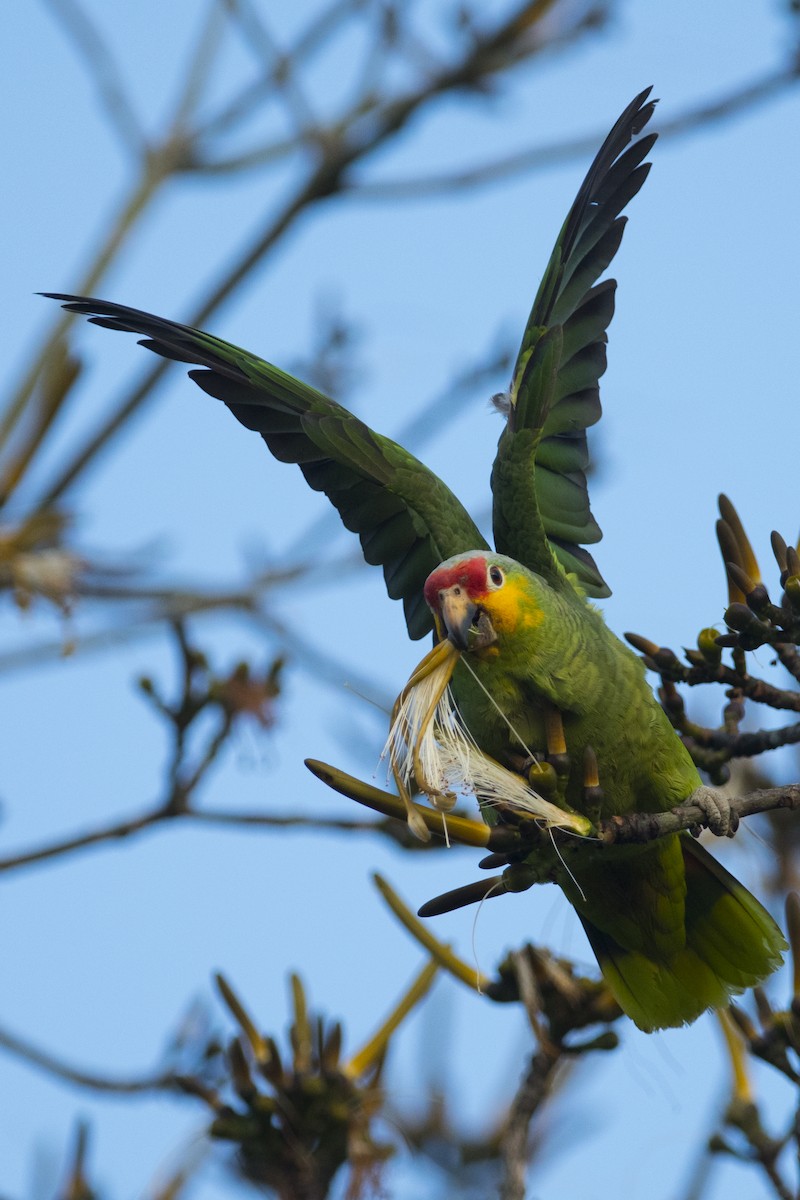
<point x="485" y="607"/>
<point x="481" y="601"/>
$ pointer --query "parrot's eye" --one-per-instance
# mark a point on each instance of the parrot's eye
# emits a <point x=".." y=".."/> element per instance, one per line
<point x="497" y="577"/>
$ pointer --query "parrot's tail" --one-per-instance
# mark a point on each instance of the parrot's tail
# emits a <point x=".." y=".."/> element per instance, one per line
<point x="731" y="943"/>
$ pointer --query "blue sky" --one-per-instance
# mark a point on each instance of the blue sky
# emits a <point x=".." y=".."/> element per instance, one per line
<point x="104" y="952"/>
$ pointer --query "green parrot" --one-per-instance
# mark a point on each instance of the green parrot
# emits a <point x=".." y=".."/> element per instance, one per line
<point x="674" y="933"/>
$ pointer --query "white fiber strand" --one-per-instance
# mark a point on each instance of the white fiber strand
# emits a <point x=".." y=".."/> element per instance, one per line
<point x="448" y="760"/>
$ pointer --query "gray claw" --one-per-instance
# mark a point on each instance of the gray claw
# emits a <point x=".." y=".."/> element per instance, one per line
<point x="720" y="817"/>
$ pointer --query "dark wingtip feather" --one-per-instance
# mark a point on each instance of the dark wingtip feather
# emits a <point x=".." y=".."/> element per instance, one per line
<point x="629" y="123"/>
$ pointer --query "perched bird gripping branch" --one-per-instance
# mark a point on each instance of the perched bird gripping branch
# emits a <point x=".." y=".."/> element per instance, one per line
<point x="674" y="933"/>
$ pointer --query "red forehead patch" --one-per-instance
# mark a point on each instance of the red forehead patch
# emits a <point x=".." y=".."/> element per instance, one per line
<point x="470" y="573"/>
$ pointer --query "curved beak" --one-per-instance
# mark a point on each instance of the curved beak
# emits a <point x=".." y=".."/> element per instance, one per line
<point x="458" y="614"/>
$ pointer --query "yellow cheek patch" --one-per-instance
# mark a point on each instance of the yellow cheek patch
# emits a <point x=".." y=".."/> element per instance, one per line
<point x="512" y="608"/>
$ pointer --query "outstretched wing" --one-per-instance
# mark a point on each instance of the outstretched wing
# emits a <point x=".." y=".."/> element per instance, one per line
<point x="407" y="519"/>
<point x="541" y="502"/>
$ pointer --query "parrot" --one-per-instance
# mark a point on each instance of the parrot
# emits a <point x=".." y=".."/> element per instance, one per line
<point x="674" y="933"/>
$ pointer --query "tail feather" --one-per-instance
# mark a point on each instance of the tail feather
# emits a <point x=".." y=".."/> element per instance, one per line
<point x="731" y="944"/>
<point x="657" y="995"/>
<point x="725" y="924"/>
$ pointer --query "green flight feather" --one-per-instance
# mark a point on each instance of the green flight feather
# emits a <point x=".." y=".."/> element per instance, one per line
<point x="555" y="395"/>
<point x="408" y="520"/>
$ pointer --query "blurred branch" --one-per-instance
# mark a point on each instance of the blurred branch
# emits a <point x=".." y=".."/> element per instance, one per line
<point x="498" y="170"/>
<point x="155" y="605"/>
<point x="530" y="1095"/>
<point x="320" y="32"/>
<point x="120" y="226"/>
<point x="278" y="66"/>
<point x="119" y="830"/>
<point x="243" y="693"/>
<point x="157" y="163"/>
<point x="344" y="143"/>
<point x="160" y="1081"/>
<point x="103" y="71"/>
<point x="322" y="182"/>
<point x="190" y="90"/>
<point x="349" y="139"/>
<point x="114" y="831"/>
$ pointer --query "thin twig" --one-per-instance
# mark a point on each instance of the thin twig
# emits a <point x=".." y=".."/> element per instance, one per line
<point x="115" y="831"/>
<point x="346" y="143"/>
<point x="200" y="65"/>
<point x="176" y="605"/>
<point x="120" y="227"/>
<point x="103" y="71"/>
<point x="278" y="65"/>
<point x="321" y="184"/>
<point x="499" y="170"/>
<point x="207" y="816"/>
<point x="162" y="1081"/>
<point x="119" y="830"/>
<point x="319" y="32"/>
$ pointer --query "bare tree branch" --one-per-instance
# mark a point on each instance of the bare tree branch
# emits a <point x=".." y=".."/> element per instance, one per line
<point x="200" y="63"/>
<point x="103" y="71"/>
<point x="531" y="1094"/>
<point x="160" y="1081"/>
<point x="280" y="67"/>
<point x="643" y="827"/>
<point x="318" y="34"/>
<point x="120" y="830"/>
<point x="342" y="146"/>
<point x="498" y="170"/>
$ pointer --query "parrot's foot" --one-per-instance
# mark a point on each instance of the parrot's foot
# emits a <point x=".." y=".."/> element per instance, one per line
<point x="720" y="817"/>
